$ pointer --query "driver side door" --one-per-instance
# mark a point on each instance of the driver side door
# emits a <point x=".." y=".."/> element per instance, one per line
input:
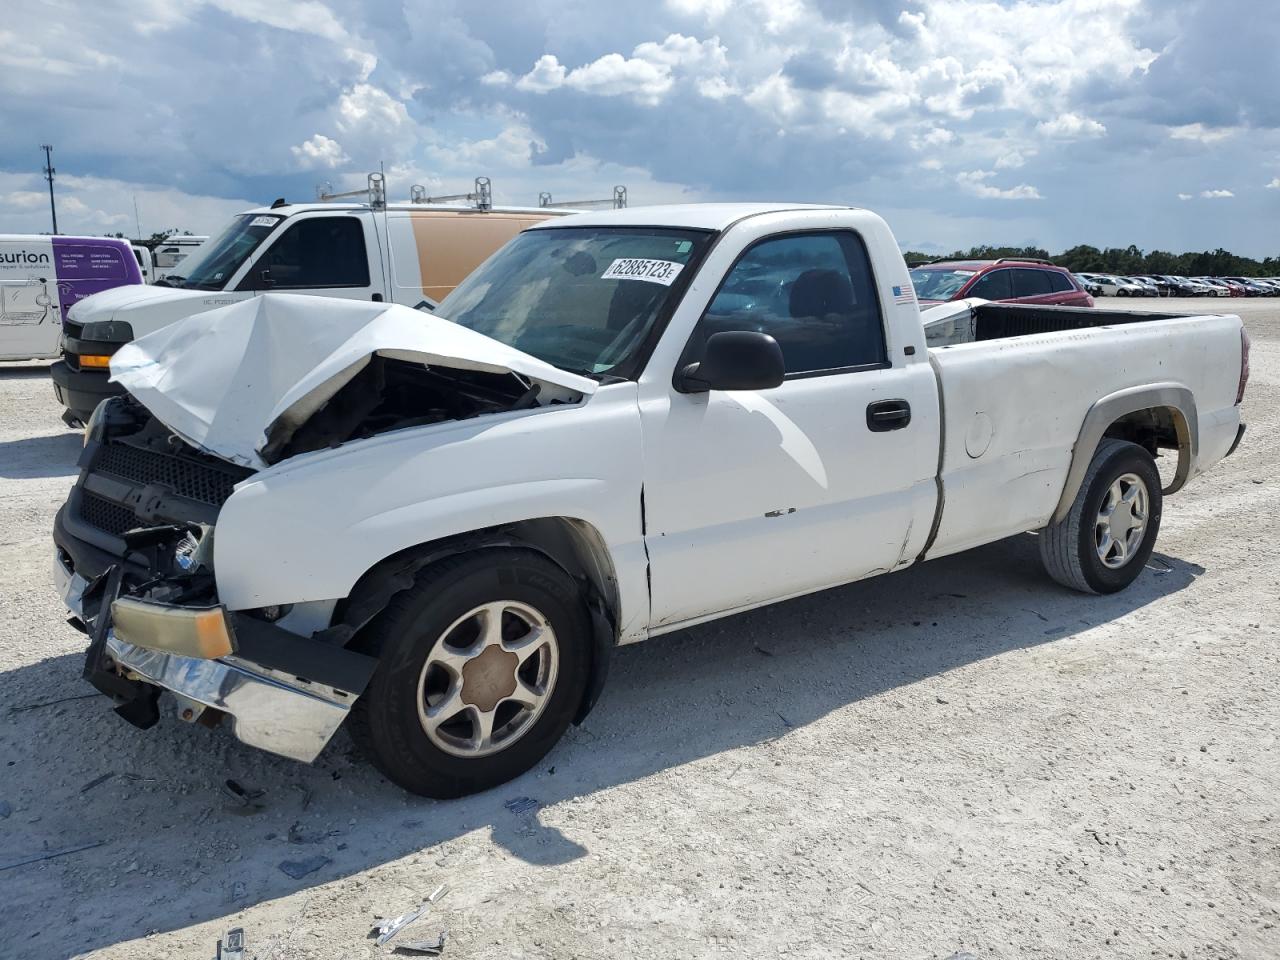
<point x="755" y="495"/>
<point x="328" y="255"/>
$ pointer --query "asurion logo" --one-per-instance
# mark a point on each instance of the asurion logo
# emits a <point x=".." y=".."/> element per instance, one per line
<point x="24" y="258"/>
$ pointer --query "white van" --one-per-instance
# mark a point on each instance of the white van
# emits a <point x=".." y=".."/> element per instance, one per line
<point x="41" y="276"/>
<point x="172" y="252"/>
<point x="412" y="253"/>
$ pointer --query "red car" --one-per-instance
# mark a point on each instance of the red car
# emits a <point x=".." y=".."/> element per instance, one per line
<point x="1011" y="279"/>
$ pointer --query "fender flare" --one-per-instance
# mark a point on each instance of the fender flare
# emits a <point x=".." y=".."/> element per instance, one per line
<point x="397" y="573"/>
<point x="1109" y="409"/>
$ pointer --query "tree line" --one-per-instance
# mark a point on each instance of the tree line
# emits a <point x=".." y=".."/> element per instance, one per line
<point x="1125" y="261"/>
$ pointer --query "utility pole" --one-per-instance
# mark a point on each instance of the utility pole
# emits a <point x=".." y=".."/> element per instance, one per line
<point x="48" y="175"/>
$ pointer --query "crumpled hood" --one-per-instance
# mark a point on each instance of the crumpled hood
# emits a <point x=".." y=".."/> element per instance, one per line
<point x="223" y="379"/>
<point x="103" y="306"/>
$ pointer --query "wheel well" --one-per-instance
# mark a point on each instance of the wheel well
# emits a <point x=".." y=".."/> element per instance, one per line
<point x="1155" y="429"/>
<point x="573" y="545"/>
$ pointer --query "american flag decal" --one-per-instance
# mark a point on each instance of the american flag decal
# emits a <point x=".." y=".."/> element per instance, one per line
<point x="904" y="295"/>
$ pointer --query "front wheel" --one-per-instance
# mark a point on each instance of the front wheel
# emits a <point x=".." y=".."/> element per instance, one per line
<point x="1107" y="536"/>
<point x="483" y="664"/>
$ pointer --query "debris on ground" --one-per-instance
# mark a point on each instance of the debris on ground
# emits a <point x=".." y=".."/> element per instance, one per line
<point x="518" y="805"/>
<point x="96" y="782"/>
<point x="50" y="854"/>
<point x="299" y="835"/>
<point x="232" y="948"/>
<point x="386" y="929"/>
<point x="5" y="810"/>
<point x="432" y="948"/>
<point x="300" y="868"/>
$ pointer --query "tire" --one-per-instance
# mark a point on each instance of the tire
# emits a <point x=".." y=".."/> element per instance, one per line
<point x="417" y="666"/>
<point x="1070" y="549"/>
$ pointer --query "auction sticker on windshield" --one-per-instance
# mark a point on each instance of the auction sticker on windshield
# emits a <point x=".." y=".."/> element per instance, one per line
<point x="651" y="271"/>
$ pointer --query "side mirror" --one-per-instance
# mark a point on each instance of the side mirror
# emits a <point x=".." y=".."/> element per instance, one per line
<point x="735" y="360"/>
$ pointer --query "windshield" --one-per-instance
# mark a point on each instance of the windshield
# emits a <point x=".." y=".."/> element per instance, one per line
<point x="215" y="261"/>
<point x="584" y="299"/>
<point x="932" y="283"/>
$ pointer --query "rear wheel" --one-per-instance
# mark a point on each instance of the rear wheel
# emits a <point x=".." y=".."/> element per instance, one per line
<point x="1107" y="536"/>
<point x="484" y="662"/>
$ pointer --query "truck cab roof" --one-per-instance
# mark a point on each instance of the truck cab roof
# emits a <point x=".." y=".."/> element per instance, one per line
<point x="693" y="216"/>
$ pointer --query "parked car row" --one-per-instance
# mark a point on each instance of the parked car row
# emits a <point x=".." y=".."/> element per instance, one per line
<point x="1165" y="285"/>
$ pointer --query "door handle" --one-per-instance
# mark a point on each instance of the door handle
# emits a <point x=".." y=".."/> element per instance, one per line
<point x="885" y="415"/>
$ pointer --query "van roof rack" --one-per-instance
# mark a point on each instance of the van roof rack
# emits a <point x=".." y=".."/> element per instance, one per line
<point x="481" y="196"/>
<point x="1026" y="260"/>
<point x="618" y="201"/>
<point x="375" y="194"/>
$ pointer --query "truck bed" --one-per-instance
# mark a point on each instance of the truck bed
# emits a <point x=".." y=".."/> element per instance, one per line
<point x="1018" y="386"/>
<point x="999" y="321"/>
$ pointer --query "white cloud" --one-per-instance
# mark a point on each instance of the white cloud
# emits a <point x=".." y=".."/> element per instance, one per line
<point x="370" y="109"/>
<point x="547" y="74"/>
<point x="615" y="75"/>
<point x="709" y="10"/>
<point x="1071" y="126"/>
<point x="1200" y="133"/>
<point x="319" y="152"/>
<point x="933" y="137"/>
<point x="97" y="205"/>
<point x="497" y="78"/>
<point x="1184" y="196"/>
<point x="1216" y="194"/>
<point x="647" y="75"/>
<point x="775" y="97"/>
<point x="298" y="16"/>
<point x="975" y="181"/>
<point x="1013" y="159"/>
<point x="1274" y="184"/>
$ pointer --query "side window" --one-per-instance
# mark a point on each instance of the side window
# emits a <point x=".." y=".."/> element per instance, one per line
<point x="1060" y="283"/>
<point x="316" y="252"/>
<point x="1031" y="283"/>
<point x="996" y="285"/>
<point x="812" y="292"/>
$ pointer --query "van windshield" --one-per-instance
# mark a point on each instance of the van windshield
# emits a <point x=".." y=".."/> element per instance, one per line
<point x="216" y="261"/>
<point x="584" y="299"/>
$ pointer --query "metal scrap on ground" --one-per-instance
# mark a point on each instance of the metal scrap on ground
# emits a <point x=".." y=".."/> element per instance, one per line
<point x="387" y="929"/>
<point x="431" y="948"/>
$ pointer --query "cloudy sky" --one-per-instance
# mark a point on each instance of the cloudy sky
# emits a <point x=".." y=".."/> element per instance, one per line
<point x="1053" y="122"/>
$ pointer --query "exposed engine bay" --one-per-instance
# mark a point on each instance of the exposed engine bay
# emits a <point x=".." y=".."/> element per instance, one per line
<point x="391" y="394"/>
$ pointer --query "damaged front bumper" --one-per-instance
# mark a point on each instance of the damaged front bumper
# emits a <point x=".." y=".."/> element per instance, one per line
<point x="281" y="692"/>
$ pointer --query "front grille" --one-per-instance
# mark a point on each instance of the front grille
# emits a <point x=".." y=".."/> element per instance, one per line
<point x="105" y="515"/>
<point x="203" y="483"/>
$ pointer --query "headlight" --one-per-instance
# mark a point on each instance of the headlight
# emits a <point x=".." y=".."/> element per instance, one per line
<point x="201" y="632"/>
<point x="92" y="428"/>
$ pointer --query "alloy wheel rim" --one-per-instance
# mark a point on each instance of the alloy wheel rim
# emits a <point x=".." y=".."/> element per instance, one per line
<point x="1122" y="521"/>
<point x="487" y="679"/>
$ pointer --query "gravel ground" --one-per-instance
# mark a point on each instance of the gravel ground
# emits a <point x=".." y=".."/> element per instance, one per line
<point x="959" y="757"/>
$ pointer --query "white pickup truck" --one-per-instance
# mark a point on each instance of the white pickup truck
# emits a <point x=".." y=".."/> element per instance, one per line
<point x="630" y="422"/>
